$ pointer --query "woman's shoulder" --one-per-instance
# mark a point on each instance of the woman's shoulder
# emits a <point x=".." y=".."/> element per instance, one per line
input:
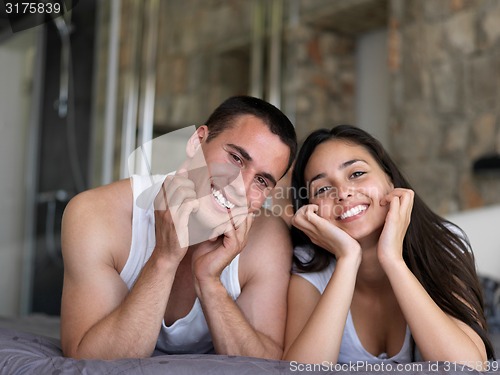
<point x="317" y="278"/>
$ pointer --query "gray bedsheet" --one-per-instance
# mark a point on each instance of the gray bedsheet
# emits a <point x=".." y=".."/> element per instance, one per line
<point x="27" y="353"/>
<point x="38" y="324"/>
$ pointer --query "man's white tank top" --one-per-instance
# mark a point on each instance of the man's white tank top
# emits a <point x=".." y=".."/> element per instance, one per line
<point x="189" y="334"/>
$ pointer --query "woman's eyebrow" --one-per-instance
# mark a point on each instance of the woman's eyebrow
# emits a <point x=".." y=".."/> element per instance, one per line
<point x="351" y="162"/>
<point x="317" y="177"/>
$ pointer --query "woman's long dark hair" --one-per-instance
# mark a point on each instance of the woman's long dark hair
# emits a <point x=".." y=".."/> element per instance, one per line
<point x="436" y="251"/>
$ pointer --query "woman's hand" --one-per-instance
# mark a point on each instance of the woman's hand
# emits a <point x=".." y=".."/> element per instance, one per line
<point x="324" y="233"/>
<point x="390" y="244"/>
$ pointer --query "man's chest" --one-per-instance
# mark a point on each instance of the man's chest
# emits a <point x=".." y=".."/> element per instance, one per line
<point x="182" y="295"/>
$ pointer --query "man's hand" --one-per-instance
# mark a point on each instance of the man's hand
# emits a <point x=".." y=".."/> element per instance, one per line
<point x="173" y="204"/>
<point x="254" y="323"/>
<point x="213" y="256"/>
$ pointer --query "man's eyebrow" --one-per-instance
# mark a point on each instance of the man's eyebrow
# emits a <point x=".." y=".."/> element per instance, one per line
<point x="247" y="157"/>
<point x="342" y="166"/>
<point x="242" y="151"/>
<point x="269" y="177"/>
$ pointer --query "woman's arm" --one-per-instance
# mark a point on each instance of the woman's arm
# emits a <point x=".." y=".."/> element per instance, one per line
<point x="438" y="336"/>
<point x="315" y="323"/>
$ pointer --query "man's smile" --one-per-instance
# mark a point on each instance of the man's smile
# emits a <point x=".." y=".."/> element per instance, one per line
<point x="221" y="199"/>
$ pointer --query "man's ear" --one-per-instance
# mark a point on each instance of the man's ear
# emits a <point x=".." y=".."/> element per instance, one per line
<point x="195" y="141"/>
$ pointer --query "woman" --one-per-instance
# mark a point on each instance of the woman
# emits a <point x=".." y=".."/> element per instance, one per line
<point x="378" y="276"/>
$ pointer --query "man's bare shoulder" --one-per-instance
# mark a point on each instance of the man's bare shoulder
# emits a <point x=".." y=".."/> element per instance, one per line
<point x="269" y="243"/>
<point x="101" y="204"/>
<point x="266" y="223"/>
<point x="115" y="195"/>
<point x="98" y="221"/>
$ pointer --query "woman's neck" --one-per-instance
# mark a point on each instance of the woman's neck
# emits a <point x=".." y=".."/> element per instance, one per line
<point x="371" y="274"/>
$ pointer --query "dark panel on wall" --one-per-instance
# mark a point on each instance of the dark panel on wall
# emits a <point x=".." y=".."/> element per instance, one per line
<point x="63" y="149"/>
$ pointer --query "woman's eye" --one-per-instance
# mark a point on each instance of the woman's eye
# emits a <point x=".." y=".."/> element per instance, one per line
<point x="357" y="174"/>
<point x="322" y="190"/>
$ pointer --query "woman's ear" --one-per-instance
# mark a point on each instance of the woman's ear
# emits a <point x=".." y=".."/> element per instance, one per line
<point x="195" y="141"/>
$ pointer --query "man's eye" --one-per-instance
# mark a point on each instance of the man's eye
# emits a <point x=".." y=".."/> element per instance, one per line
<point x="262" y="182"/>
<point x="237" y="159"/>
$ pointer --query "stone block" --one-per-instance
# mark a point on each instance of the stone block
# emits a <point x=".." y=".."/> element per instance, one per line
<point x="447" y="83"/>
<point x="417" y="137"/>
<point x="460" y="31"/>
<point x="491" y="25"/>
<point x="434" y="181"/>
<point x="482" y="83"/>
<point x="483" y="135"/>
<point x="455" y="140"/>
<point x="434" y="36"/>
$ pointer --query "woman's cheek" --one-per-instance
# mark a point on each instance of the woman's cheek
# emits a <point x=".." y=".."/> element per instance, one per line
<point x="325" y="210"/>
<point x="387" y="188"/>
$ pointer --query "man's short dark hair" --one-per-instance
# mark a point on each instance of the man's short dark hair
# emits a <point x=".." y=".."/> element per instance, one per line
<point x="224" y="115"/>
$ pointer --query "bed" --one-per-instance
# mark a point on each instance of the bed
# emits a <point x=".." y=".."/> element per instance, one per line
<point x="31" y="345"/>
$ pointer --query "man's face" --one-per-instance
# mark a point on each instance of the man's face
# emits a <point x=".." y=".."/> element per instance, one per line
<point x="244" y="162"/>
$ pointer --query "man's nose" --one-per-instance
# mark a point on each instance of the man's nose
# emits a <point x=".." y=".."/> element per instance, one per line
<point x="236" y="183"/>
<point x="243" y="183"/>
<point x="224" y="174"/>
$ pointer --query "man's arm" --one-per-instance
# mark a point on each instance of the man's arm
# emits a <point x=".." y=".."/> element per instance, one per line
<point x="254" y="325"/>
<point x="100" y="318"/>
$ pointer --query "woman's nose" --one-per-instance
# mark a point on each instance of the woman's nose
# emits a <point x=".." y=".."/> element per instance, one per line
<point x="343" y="194"/>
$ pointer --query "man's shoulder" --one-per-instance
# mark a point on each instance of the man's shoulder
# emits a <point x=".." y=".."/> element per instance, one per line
<point x="269" y="237"/>
<point x="103" y="199"/>
<point x="97" y="219"/>
<point x="267" y="222"/>
<point x="268" y="252"/>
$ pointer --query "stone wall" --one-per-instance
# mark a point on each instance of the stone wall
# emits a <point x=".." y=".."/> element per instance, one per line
<point x="319" y="83"/>
<point x="443" y="56"/>
<point x="203" y="58"/>
<point x="445" y="79"/>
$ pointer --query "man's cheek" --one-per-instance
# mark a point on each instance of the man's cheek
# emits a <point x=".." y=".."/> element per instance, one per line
<point x="256" y="198"/>
<point x="255" y="203"/>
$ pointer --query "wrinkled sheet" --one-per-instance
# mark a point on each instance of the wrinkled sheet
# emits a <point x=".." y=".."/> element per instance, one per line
<point x="27" y="353"/>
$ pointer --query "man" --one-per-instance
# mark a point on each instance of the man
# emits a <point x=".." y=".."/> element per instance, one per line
<point x="136" y="277"/>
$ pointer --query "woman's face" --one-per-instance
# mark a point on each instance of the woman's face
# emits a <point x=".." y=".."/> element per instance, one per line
<point x="347" y="184"/>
